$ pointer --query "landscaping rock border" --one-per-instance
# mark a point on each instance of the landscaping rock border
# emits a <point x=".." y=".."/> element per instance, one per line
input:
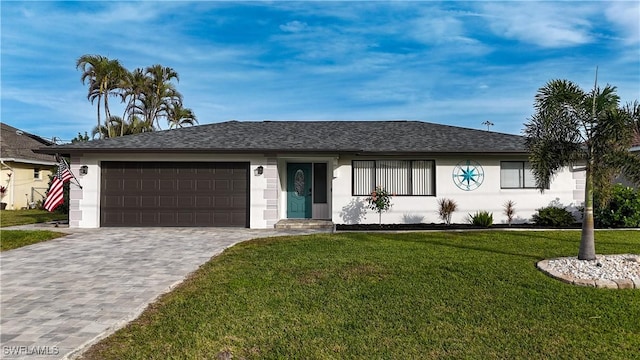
<point x="569" y="276"/>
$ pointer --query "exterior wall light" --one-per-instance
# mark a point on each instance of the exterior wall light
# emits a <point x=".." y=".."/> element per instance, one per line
<point x="84" y="170"/>
<point x="259" y="170"/>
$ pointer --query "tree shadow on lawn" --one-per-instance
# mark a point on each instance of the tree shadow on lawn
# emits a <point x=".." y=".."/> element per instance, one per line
<point x="576" y="239"/>
<point x="485" y="249"/>
<point x="446" y="241"/>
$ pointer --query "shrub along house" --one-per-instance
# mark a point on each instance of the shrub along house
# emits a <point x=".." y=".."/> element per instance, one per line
<point x="255" y="174"/>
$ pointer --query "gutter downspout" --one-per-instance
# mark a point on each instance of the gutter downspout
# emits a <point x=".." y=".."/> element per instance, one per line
<point x="11" y="188"/>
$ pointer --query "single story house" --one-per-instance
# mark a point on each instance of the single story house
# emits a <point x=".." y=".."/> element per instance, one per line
<point x="254" y="174"/>
<point x="23" y="173"/>
<point x="635" y="149"/>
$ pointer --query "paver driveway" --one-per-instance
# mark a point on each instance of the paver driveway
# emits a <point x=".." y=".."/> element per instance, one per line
<point x="60" y="296"/>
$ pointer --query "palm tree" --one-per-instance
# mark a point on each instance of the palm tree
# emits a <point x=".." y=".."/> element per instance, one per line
<point x="161" y="94"/>
<point x="135" y="84"/>
<point x="573" y="127"/>
<point x="111" y="128"/>
<point x="180" y="116"/>
<point x="119" y="127"/>
<point x="104" y="77"/>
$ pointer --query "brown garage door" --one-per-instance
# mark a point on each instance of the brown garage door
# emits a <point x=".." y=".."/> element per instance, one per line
<point x="174" y="194"/>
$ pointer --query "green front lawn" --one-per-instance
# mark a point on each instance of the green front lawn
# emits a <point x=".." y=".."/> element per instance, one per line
<point x="24" y="217"/>
<point x="389" y="296"/>
<point x="13" y="239"/>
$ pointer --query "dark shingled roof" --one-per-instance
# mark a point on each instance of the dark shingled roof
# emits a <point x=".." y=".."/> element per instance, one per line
<point x="309" y="136"/>
<point x="17" y="145"/>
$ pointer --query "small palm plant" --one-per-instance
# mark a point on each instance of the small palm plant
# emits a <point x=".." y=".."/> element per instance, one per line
<point x="380" y="201"/>
<point x="481" y="218"/>
<point x="447" y="208"/>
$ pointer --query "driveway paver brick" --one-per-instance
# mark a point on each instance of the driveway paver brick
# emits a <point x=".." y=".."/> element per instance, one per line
<point x="59" y="297"/>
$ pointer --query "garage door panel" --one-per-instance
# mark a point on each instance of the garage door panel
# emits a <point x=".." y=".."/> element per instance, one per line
<point x="203" y="202"/>
<point x="221" y="185"/>
<point x="112" y="185"/>
<point x="166" y="185"/>
<point x="166" y="218"/>
<point x="204" y="185"/>
<point x="237" y="218"/>
<point x="112" y="218"/>
<point x="167" y="201"/>
<point x="238" y="201"/>
<point x="238" y="185"/>
<point x="174" y="194"/>
<point x="112" y="201"/>
<point x="186" y="219"/>
<point x="131" y="185"/>
<point x="131" y="201"/>
<point x="222" y="217"/>
<point x="185" y="201"/>
<point x="148" y="184"/>
<point x="203" y="218"/>
<point x="186" y="185"/>
<point x="148" y="201"/>
<point x="221" y="202"/>
<point x="148" y="218"/>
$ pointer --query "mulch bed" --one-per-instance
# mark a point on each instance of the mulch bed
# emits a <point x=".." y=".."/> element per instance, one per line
<point x="433" y="226"/>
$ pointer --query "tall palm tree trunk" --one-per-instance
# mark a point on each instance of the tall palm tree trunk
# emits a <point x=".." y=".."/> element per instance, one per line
<point x="587" y="241"/>
<point x="107" y="113"/>
<point x="99" y="124"/>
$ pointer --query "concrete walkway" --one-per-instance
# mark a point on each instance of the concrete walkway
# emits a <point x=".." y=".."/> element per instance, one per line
<point x="60" y="296"/>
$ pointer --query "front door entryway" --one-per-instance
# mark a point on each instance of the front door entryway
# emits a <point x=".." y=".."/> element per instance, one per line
<point x="299" y="190"/>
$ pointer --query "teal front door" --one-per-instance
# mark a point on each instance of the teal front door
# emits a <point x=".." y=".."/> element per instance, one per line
<point x="299" y="191"/>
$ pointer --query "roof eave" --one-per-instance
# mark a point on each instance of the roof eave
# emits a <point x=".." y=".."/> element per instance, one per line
<point x="357" y="152"/>
<point x="29" y="161"/>
<point x="74" y="151"/>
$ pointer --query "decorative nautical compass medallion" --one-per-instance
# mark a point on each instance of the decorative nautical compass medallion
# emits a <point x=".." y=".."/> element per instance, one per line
<point x="468" y="175"/>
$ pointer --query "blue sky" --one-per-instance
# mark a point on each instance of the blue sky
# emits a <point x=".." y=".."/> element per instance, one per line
<point x="456" y="63"/>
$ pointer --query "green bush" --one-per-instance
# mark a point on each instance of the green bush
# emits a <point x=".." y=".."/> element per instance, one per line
<point x="623" y="209"/>
<point x="553" y="216"/>
<point x="481" y="218"/>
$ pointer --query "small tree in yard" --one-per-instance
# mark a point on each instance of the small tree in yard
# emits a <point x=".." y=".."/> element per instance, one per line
<point x="574" y="127"/>
<point x="380" y="201"/>
<point x="509" y="210"/>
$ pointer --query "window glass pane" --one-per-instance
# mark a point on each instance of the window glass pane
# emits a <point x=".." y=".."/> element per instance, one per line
<point x="393" y="176"/>
<point x="299" y="182"/>
<point x="511" y="174"/>
<point x="529" y="179"/>
<point x="422" y="177"/>
<point x="399" y="177"/>
<point x="363" y="182"/>
<point x="320" y="183"/>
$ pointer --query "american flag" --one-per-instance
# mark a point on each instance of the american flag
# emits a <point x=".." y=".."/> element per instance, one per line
<point x="55" y="196"/>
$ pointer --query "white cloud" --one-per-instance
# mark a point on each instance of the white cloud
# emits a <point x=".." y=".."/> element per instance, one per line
<point x="625" y="15"/>
<point x="550" y="25"/>
<point x="437" y="28"/>
<point x="294" y="26"/>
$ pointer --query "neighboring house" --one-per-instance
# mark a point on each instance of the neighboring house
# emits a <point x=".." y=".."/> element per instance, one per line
<point x="635" y="149"/>
<point x="254" y="174"/>
<point x="23" y="172"/>
<point x="635" y="145"/>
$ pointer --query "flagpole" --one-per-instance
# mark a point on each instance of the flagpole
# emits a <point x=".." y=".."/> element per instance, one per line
<point x="71" y="172"/>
